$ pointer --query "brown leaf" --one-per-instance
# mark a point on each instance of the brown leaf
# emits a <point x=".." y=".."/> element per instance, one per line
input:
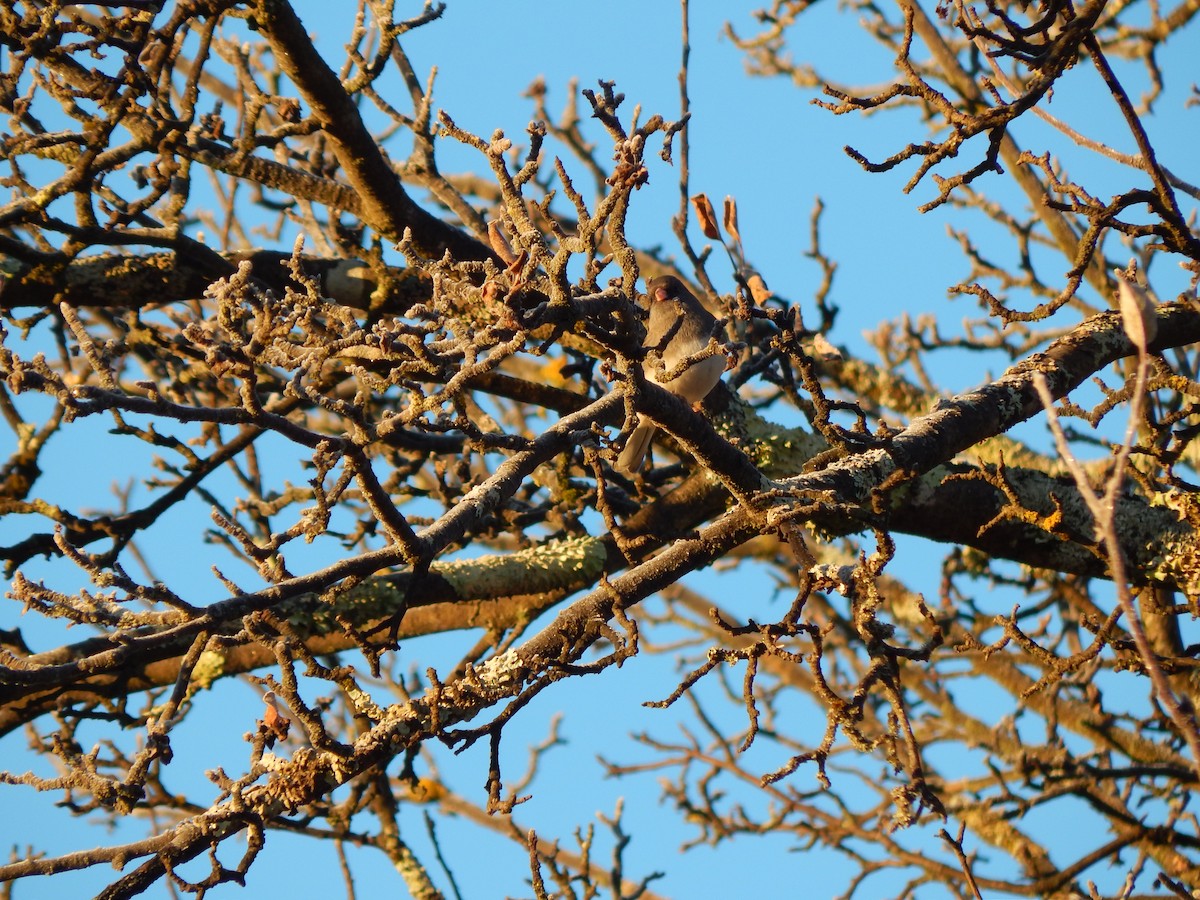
<point x="758" y="289"/>
<point x="731" y="225"/>
<point x="1137" y="312"/>
<point x="516" y="265"/>
<point x="275" y="722"/>
<point x="707" y="216"/>
<point x="499" y="242"/>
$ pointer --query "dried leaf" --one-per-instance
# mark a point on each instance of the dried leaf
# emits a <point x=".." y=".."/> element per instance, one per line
<point x="758" y="289"/>
<point x="516" y="265"/>
<point x="731" y="224"/>
<point x="707" y="216"/>
<point x="499" y="242"/>
<point x="1137" y="312"/>
<point x="276" y="723"/>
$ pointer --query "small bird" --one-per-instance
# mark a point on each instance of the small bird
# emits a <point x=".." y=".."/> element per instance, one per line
<point x="670" y="303"/>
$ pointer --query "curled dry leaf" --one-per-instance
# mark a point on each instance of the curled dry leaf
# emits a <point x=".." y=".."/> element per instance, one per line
<point x="707" y="216"/>
<point x="758" y="289"/>
<point x="517" y="264"/>
<point x="500" y="243"/>
<point x="1137" y="312"/>
<point x="276" y="723"/>
<point x="731" y="223"/>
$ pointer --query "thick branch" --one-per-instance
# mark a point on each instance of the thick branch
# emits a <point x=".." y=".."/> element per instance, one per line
<point x="385" y="205"/>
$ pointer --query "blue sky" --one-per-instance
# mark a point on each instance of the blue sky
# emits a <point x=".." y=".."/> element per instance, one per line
<point x="762" y="141"/>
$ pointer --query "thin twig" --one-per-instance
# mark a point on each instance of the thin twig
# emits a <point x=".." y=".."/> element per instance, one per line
<point x="1103" y="512"/>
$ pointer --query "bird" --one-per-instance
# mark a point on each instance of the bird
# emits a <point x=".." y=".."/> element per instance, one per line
<point x="671" y="303"/>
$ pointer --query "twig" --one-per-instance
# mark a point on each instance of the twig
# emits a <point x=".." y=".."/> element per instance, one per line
<point x="1103" y="510"/>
